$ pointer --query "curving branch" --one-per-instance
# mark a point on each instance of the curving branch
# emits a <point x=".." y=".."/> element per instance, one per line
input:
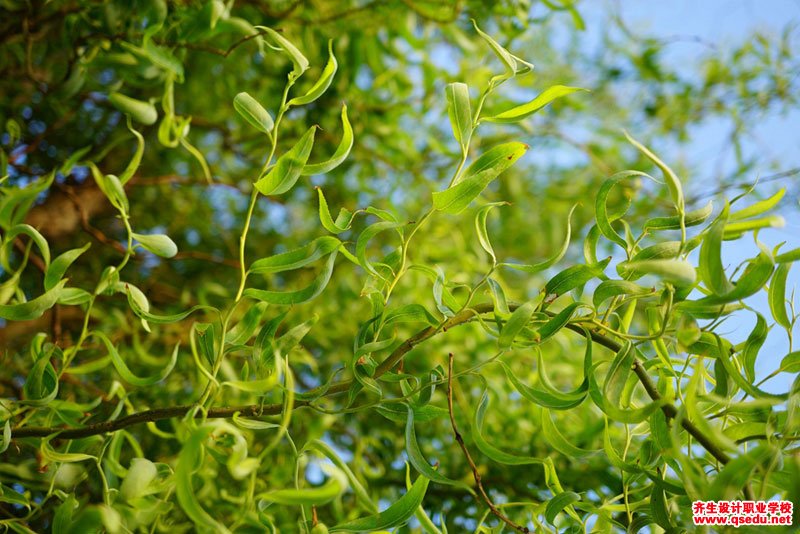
<point x="255" y="410"/>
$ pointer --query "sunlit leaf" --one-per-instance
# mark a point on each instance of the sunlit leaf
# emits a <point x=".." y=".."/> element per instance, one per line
<point x="777" y="295"/>
<point x="460" y="112"/>
<point x="335" y="485"/>
<point x="297" y="258"/>
<point x="479" y="175"/>
<point x="613" y="288"/>
<point x="286" y="298"/>
<point x="673" y="183"/>
<point x="710" y="266"/>
<point x="298" y="59"/>
<point x="282" y="177"/>
<point x="758" y="208"/>
<point x="519" y="319"/>
<point x="572" y="277"/>
<point x="253" y="112"/>
<point x="341" y="153"/>
<point x="125" y="372"/>
<point x="675" y="271"/>
<point x="513" y="64"/>
<point x="322" y="84"/>
<point x="558" y="503"/>
<point x="34" y="308"/>
<point x="523" y="111"/>
<point x="343" y="221"/>
<point x="158" y="244"/>
<point x="480" y="229"/>
<point x="417" y="458"/>
<point x="394" y="516"/>
<point x="673" y="222"/>
<point x="139" y="111"/>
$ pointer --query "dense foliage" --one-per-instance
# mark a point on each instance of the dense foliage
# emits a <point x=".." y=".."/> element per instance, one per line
<point x="341" y="266"/>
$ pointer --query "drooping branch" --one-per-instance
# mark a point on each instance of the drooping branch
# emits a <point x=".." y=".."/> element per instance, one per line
<point x="254" y="410"/>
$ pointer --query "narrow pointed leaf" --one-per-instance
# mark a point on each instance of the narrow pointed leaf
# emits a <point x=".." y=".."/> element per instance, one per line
<point x="287" y="298"/>
<point x="673" y="183"/>
<point x="524" y="111"/>
<point x="190" y="459"/>
<point x="514" y="65"/>
<point x="735" y="230"/>
<point x="759" y="207"/>
<point x="282" y="177"/>
<point x="518" y="320"/>
<point x="673" y="222"/>
<point x="753" y="345"/>
<point x="307" y="496"/>
<point x="679" y="272"/>
<point x="618" y="373"/>
<point x="343" y="221"/>
<point x="417" y="458"/>
<point x="480" y="229"/>
<point x="297" y="258"/>
<point x="361" y="493"/>
<point x="394" y="516"/>
<point x="710" y="268"/>
<point x="322" y="84"/>
<point x="752" y="280"/>
<point x="604" y="218"/>
<point x="125" y="372"/>
<point x="615" y="288"/>
<point x="55" y="272"/>
<point x="136" y="159"/>
<point x="338" y="157"/>
<point x="556" y="440"/>
<point x="365" y="237"/>
<point x="34" y="308"/>
<point x="479" y="175"/>
<point x="574" y="276"/>
<point x="460" y="112"/>
<point x="547" y="398"/>
<point x="299" y="60"/>
<point x="777" y="296"/>
<point x="558" y="503"/>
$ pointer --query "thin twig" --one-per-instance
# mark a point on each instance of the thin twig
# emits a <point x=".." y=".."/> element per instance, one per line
<point x="210" y="49"/>
<point x="726" y="187"/>
<point x="475" y="473"/>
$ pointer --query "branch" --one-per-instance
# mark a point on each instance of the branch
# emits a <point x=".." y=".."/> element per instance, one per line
<point x="475" y="473"/>
<point x="149" y="416"/>
<point x="389" y="363"/>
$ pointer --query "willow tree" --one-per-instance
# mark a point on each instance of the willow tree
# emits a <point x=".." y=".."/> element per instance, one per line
<point x="288" y="267"/>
